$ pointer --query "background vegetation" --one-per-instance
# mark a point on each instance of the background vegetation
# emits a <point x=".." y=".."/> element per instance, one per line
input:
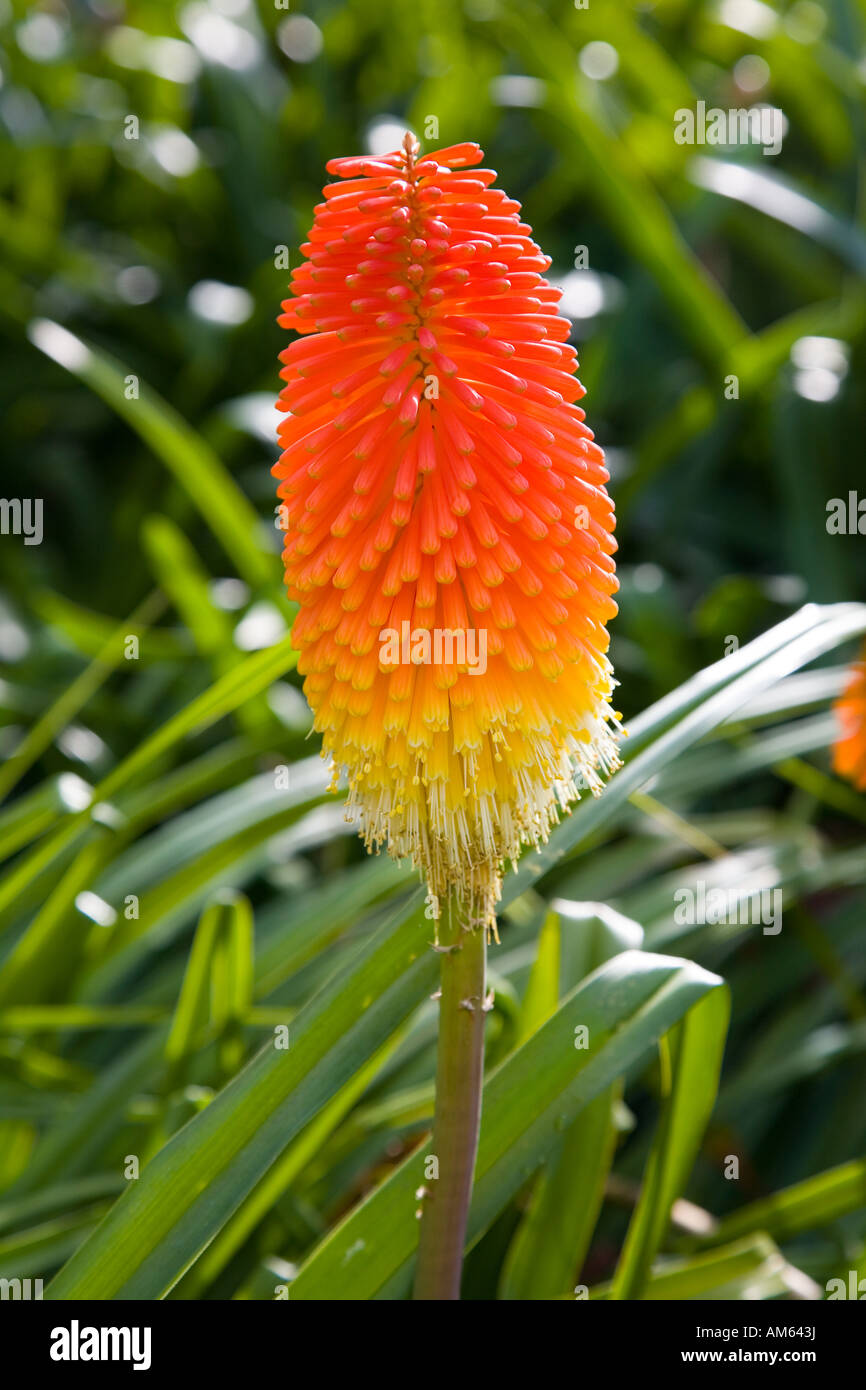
<point x="177" y="885"/>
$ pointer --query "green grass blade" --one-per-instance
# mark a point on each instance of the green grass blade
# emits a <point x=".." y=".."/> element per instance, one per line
<point x="696" y="1046"/>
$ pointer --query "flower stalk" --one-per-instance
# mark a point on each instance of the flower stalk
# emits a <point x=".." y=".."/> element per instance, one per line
<point x="463" y="1007"/>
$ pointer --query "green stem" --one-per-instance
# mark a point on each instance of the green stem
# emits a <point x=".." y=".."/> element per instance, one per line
<point x="459" y="1074"/>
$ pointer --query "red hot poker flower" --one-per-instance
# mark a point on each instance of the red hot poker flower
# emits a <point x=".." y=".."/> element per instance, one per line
<point x="448" y="533"/>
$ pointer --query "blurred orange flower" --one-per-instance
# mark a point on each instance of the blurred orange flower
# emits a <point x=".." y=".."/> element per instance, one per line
<point x="449" y="538"/>
<point x="849" y="751"/>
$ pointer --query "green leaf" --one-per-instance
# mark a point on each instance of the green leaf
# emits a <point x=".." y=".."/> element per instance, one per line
<point x="244" y="681"/>
<point x="76" y="695"/>
<point x="281" y="1176"/>
<point x="69" y="1147"/>
<point x="49" y="948"/>
<point x="744" y="1262"/>
<point x="30" y="815"/>
<point x="754" y="361"/>
<point x="550" y="1246"/>
<point x="551" y="1243"/>
<point x="630" y="203"/>
<point x="542" y="991"/>
<point x="695" y="709"/>
<point x="217" y="986"/>
<point x="57" y="1198"/>
<point x="181" y="575"/>
<point x="816" y="1201"/>
<point x="195" y="1183"/>
<point x="252" y="676"/>
<point x="212" y="490"/>
<point x="694" y="1053"/>
<point x="776" y="196"/>
<point x="304" y="924"/>
<point x="29" y="1252"/>
<point x="528" y="1101"/>
<point x="167" y="905"/>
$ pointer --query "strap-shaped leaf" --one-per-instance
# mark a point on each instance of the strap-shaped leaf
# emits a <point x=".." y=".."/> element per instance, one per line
<point x="625" y="1006"/>
<point x="550" y="1245"/>
<point x="153" y="1234"/>
<point x="694" y="1056"/>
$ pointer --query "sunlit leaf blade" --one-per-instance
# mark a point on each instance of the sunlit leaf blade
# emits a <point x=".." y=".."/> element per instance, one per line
<point x="550" y="1245"/>
<point x="698" y="707"/>
<point x="813" y="1202"/>
<point x="255" y="674"/>
<point x="742" y="1264"/>
<point x="201" y="1176"/>
<point x="531" y="1098"/>
<point x="693" y="1054"/>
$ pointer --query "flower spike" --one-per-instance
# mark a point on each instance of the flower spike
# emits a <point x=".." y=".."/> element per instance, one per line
<point x="448" y="535"/>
